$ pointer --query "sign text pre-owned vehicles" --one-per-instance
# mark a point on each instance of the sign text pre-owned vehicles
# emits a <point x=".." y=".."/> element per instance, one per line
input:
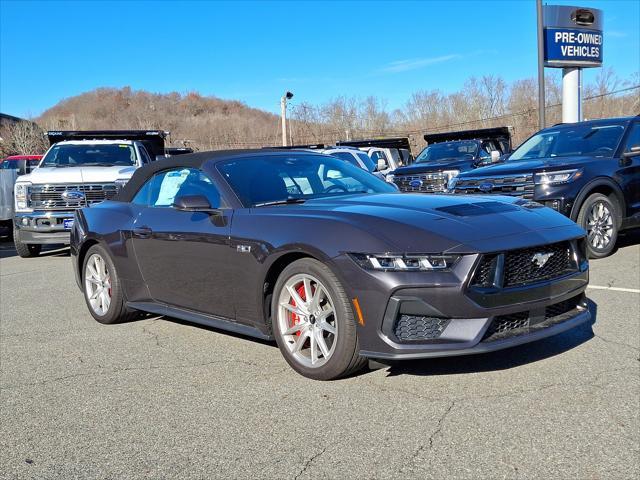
<point x="589" y="171"/>
<point x="333" y="263"/>
<point x="448" y="154"/>
<point x="80" y="169"/>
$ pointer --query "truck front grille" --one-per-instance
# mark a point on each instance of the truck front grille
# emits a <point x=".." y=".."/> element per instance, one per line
<point x="65" y="197"/>
<point x="514" y="186"/>
<point x="423" y="183"/>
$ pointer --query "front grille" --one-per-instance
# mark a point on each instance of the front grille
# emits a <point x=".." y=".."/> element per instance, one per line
<point x="562" y="308"/>
<point x="515" y="186"/>
<point x="524" y="266"/>
<point x="521" y="323"/>
<point x="521" y="267"/>
<point x="414" y="328"/>
<point x="507" y="323"/>
<point x="49" y="197"/>
<point x="423" y="183"/>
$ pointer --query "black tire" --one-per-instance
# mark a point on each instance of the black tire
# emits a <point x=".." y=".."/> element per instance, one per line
<point x="25" y="250"/>
<point x="345" y="359"/>
<point x="594" y="200"/>
<point x="117" y="311"/>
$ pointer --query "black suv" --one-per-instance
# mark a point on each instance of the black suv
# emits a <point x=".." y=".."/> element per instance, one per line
<point x="588" y="171"/>
<point x="448" y="154"/>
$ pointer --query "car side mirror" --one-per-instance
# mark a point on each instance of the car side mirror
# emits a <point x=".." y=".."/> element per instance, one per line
<point x="633" y="152"/>
<point x="382" y="164"/>
<point x="194" y="203"/>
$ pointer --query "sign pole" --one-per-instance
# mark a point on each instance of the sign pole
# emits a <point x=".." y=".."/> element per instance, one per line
<point x="541" y="99"/>
<point x="571" y="95"/>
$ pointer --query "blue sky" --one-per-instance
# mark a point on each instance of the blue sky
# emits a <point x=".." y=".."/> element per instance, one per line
<point x="254" y="51"/>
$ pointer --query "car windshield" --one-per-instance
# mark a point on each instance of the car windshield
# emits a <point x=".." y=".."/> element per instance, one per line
<point x="269" y="179"/>
<point x="574" y="140"/>
<point x="453" y="150"/>
<point x="100" y="155"/>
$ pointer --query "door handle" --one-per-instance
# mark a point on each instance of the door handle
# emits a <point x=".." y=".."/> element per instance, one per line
<point x="142" y="232"/>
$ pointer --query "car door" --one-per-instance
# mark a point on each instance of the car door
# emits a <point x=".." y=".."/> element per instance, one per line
<point x="183" y="255"/>
<point x="629" y="171"/>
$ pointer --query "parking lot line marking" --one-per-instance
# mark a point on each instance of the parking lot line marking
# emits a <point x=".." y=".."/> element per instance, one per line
<point x="615" y="289"/>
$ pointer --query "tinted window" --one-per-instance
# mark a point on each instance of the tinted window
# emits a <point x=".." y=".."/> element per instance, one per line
<point x="90" y="155"/>
<point x="633" y="139"/>
<point x="574" y="140"/>
<point x="453" y="150"/>
<point x="143" y="153"/>
<point x="347" y="157"/>
<point x="259" y="180"/>
<point x="163" y="188"/>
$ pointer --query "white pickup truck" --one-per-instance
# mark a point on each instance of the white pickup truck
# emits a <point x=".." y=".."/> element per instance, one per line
<point x="79" y="169"/>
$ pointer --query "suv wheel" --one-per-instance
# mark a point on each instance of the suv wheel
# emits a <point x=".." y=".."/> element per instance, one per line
<point x="598" y="216"/>
<point x="313" y="322"/>
<point x="25" y="250"/>
<point x="102" y="289"/>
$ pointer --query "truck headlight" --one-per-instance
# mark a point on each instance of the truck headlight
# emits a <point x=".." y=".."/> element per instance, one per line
<point x="558" y="177"/>
<point x="404" y="263"/>
<point x="21" y="194"/>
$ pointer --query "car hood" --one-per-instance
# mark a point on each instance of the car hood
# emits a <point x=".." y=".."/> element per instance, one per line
<point x="516" y="167"/>
<point x="72" y="175"/>
<point x="436" y="166"/>
<point x="436" y="223"/>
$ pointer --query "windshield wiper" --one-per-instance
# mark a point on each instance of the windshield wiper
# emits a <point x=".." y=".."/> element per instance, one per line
<point x="284" y="201"/>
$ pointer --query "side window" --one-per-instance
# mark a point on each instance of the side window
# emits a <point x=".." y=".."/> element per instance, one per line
<point x="145" y="156"/>
<point x="163" y="188"/>
<point x="634" y="137"/>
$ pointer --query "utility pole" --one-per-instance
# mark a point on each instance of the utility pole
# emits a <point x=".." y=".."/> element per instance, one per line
<point x="283" y="114"/>
<point x="541" y="99"/>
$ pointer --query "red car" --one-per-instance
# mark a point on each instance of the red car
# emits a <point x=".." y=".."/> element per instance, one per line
<point x="23" y="163"/>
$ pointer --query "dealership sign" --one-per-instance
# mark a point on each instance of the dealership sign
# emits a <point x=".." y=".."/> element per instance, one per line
<point x="572" y="37"/>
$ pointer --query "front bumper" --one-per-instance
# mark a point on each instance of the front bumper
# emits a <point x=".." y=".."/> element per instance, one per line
<point x="410" y="315"/>
<point x="43" y="227"/>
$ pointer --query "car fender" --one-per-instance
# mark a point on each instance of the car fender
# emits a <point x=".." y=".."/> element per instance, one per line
<point x="587" y="189"/>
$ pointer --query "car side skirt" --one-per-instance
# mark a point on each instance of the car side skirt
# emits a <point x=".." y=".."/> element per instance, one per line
<point x="200" y="318"/>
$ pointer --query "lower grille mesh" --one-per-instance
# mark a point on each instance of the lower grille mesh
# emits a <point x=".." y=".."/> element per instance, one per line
<point x="411" y="328"/>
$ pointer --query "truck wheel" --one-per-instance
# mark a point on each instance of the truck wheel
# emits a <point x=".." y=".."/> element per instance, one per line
<point x="102" y="288"/>
<point x="25" y="250"/>
<point x="313" y="322"/>
<point x="599" y="217"/>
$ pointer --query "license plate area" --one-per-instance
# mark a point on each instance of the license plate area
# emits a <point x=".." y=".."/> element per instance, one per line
<point x="67" y="223"/>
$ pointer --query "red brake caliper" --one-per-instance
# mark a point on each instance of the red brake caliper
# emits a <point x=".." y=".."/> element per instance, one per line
<point x="294" y="317"/>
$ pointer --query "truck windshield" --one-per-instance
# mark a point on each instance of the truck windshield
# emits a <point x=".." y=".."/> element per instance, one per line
<point x="90" y="155"/>
<point x="454" y="150"/>
<point x="575" y="140"/>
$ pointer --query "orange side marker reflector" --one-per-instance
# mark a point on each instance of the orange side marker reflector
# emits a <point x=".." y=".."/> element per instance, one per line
<point x="358" y="311"/>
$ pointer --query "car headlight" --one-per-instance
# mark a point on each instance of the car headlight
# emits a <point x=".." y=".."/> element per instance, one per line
<point x="555" y="178"/>
<point x="390" y="178"/>
<point x="404" y="263"/>
<point x="449" y="174"/>
<point x="121" y="182"/>
<point x="21" y="194"/>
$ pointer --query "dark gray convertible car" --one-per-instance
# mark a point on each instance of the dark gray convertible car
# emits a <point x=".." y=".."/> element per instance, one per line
<point x="328" y="260"/>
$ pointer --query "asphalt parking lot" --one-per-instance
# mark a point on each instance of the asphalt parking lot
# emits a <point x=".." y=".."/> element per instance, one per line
<point x="158" y="398"/>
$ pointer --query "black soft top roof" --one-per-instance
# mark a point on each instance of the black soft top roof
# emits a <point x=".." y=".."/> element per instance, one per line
<point x="153" y="140"/>
<point x="191" y="160"/>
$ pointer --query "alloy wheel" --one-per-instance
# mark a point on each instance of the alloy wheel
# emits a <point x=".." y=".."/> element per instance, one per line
<point x="599" y="225"/>
<point x="307" y="320"/>
<point x="97" y="284"/>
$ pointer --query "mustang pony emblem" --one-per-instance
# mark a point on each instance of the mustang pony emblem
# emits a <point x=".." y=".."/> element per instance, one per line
<point x="540" y="259"/>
